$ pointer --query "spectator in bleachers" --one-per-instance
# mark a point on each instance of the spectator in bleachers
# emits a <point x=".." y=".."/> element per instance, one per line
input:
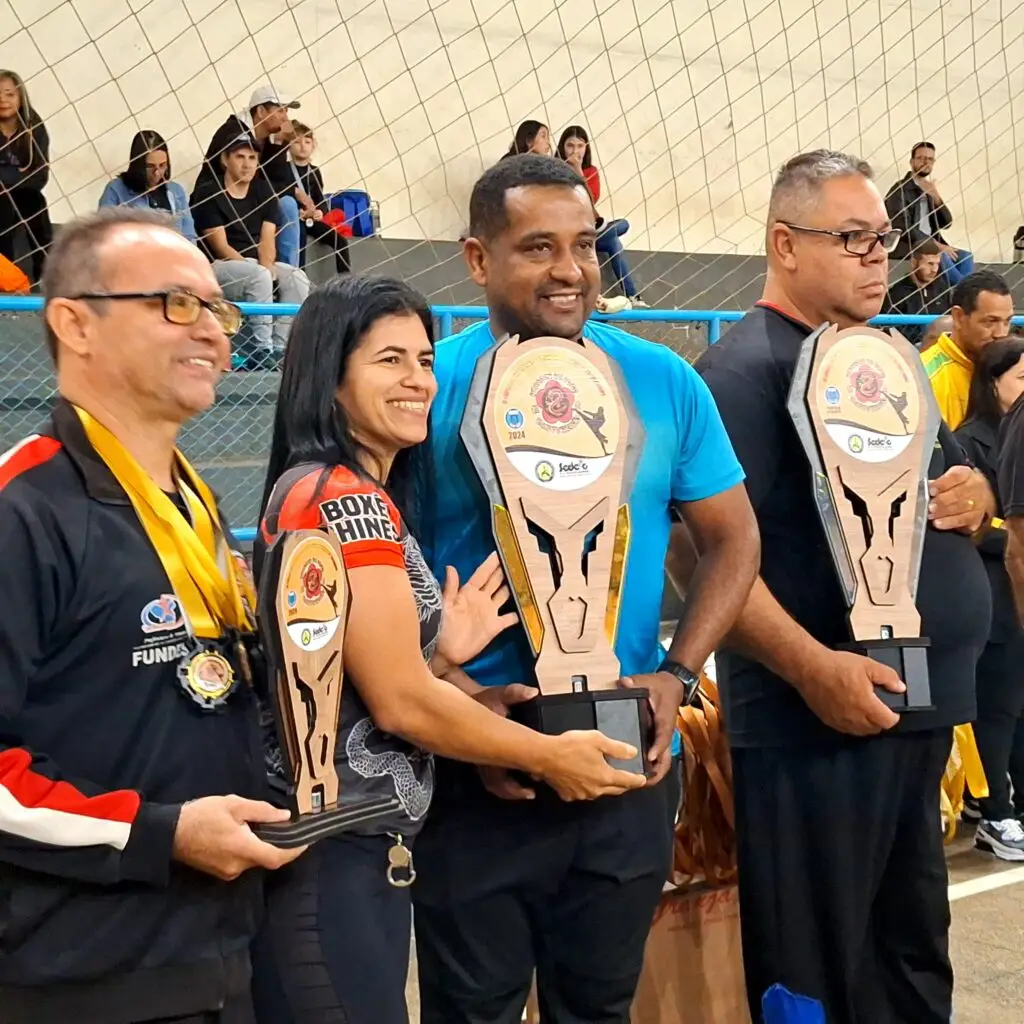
<point x="531" y="137"/>
<point x="147" y="183"/>
<point x="24" y="172"/>
<point x="997" y="383"/>
<point x="574" y="149"/>
<point x="268" y="123"/>
<point x="923" y="292"/>
<point x="236" y="219"/>
<point x="982" y="311"/>
<point x="919" y="212"/>
<point x="306" y="186"/>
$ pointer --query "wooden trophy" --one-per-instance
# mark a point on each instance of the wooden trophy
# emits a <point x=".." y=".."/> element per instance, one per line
<point x="552" y="433"/>
<point x="864" y="409"/>
<point x="303" y="607"/>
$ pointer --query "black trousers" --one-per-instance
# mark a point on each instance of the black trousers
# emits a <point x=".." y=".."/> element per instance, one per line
<point x="334" y="948"/>
<point x="26" y="208"/>
<point x="1000" y="693"/>
<point x="237" y="1011"/>
<point x="570" y="890"/>
<point x="842" y="876"/>
<point x="326" y="234"/>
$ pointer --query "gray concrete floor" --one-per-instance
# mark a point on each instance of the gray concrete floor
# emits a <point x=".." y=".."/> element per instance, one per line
<point x="987" y="941"/>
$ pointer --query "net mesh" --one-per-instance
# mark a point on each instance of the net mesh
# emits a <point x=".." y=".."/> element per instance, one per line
<point x="691" y="105"/>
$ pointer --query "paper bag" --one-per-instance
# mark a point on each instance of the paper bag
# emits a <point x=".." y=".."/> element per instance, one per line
<point x="693" y="963"/>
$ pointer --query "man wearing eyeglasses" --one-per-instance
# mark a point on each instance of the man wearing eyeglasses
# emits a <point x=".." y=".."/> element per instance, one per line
<point x="841" y="869"/>
<point x="130" y="758"/>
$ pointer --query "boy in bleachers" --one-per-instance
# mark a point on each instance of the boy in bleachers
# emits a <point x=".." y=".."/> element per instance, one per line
<point x="236" y="220"/>
<point x="306" y="183"/>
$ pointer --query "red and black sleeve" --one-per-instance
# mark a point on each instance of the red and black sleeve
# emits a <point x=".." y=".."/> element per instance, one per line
<point x="360" y="513"/>
<point x="50" y="822"/>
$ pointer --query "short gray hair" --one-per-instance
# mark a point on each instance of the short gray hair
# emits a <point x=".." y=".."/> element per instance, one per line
<point x="73" y="263"/>
<point x="801" y="178"/>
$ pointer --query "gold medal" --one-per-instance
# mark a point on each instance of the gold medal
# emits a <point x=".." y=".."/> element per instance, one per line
<point x="208" y="678"/>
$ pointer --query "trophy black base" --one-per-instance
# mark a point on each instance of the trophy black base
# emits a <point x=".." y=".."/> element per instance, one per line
<point x="908" y="658"/>
<point x="620" y="714"/>
<point x="308" y="828"/>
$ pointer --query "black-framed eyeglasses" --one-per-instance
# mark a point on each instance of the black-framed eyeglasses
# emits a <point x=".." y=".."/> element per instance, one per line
<point x="181" y="306"/>
<point x="856" y="241"/>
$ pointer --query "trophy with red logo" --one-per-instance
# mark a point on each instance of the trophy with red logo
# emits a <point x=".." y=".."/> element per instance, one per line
<point x="302" y="610"/>
<point x="552" y="433"/>
<point x="863" y="406"/>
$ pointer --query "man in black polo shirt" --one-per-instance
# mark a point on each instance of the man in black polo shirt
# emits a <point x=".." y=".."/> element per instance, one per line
<point x="130" y="758"/>
<point x="841" y="869"/>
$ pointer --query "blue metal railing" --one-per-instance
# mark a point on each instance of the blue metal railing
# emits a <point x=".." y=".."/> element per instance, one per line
<point x="447" y="315"/>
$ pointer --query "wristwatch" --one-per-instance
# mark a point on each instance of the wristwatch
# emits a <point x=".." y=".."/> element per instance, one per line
<point x="690" y="681"/>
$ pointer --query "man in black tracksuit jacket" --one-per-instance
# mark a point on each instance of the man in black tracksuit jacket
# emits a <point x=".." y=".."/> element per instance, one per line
<point x="115" y="900"/>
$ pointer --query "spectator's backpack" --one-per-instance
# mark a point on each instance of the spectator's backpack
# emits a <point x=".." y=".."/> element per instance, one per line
<point x="358" y="209"/>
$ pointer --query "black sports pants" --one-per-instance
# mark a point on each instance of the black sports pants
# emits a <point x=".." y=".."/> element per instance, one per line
<point x="334" y="948"/>
<point x="569" y="889"/>
<point x="842" y="877"/>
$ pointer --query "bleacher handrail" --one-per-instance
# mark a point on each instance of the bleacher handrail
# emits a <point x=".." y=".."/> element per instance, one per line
<point x="447" y="315"/>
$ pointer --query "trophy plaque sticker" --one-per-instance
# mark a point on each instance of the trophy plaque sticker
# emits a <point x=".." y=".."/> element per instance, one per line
<point x="303" y="608"/>
<point x="865" y="413"/>
<point x="552" y="433"/>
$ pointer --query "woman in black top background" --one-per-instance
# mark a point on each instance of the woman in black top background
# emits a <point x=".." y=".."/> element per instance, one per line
<point x="24" y="172"/>
<point x="997" y="383"/>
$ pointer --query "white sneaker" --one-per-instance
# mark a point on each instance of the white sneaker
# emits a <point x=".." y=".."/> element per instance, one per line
<point x="1004" y="839"/>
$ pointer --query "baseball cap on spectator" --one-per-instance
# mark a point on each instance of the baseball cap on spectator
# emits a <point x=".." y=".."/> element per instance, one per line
<point x="244" y="141"/>
<point x="268" y="96"/>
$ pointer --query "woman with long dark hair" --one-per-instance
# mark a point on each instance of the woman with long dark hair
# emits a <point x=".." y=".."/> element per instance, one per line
<point x="146" y="182"/>
<point x="997" y="383"/>
<point x="574" y="148"/>
<point x="352" y="416"/>
<point x="24" y="172"/>
<point x="531" y="137"/>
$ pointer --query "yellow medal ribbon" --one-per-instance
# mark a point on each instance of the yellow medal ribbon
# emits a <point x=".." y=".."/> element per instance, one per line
<point x="195" y="556"/>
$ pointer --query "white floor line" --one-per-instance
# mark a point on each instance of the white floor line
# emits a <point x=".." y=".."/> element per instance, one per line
<point x="986" y="883"/>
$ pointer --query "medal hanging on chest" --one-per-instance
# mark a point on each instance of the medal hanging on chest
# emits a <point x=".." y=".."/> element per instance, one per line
<point x="206" y="676"/>
<point x="212" y="592"/>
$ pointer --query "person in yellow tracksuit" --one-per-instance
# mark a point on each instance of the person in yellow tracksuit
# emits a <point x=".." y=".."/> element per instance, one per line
<point x="982" y="311"/>
<point x="982" y="308"/>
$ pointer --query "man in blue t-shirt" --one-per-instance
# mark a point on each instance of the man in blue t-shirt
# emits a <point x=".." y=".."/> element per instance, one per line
<point x="510" y="877"/>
